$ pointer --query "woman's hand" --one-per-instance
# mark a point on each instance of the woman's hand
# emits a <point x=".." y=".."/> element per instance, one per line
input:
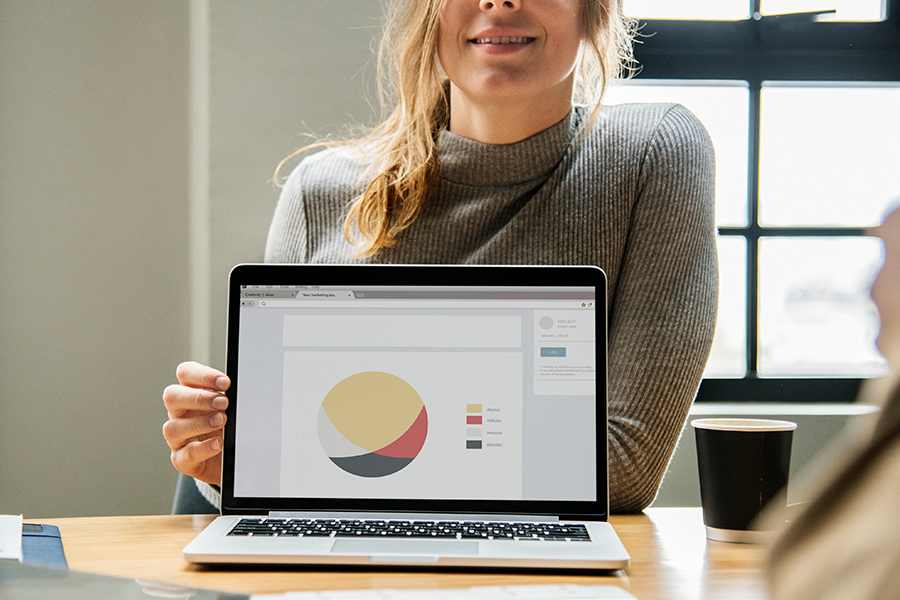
<point x="195" y="406"/>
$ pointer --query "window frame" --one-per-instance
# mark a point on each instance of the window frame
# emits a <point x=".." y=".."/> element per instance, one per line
<point x="775" y="49"/>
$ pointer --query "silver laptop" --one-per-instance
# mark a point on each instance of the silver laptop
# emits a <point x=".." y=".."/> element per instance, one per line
<point x="415" y="415"/>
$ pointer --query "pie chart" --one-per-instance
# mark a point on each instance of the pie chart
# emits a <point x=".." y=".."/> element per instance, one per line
<point x="372" y="424"/>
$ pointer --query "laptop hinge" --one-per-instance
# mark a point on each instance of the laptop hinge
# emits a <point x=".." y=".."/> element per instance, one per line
<point x="281" y="514"/>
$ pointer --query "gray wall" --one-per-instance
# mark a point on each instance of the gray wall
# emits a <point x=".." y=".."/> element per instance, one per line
<point x="93" y="238"/>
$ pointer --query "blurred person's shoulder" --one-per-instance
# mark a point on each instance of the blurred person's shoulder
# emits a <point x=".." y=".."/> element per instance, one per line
<point x="845" y="545"/>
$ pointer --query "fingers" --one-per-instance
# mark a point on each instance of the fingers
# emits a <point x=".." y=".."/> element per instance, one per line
<point x="194" y="374"/>
<point x="181" y="398"/>
<point x="191" y="458"/>
<point x="194" y="405"/>
<point x="177" y="432"/>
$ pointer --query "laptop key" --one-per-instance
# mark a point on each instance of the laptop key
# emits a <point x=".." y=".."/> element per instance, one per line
<point x="316" y="533"/>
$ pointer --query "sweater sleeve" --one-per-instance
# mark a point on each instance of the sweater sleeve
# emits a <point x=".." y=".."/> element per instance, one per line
<point x="663" y="313"/>
<point x="210" y="493"/>
<point x="287" y="239"/>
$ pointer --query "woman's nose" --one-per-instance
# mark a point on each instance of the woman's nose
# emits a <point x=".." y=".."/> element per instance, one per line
<point x="489" y="5"/>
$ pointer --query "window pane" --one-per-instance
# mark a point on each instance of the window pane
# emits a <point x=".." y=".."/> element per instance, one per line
<point x="722" y="106"/>
<point x="815" y="314"/>
<point x="712" y="10"/>
<point x="847" y="10"/>
<point x="828" y="154"/>
<point x="728" y="356"/>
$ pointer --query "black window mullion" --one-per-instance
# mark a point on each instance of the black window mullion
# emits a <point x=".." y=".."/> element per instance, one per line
<point x="752" y="316"/>
<point x="780" y="389"/>
<point x="760" y="49"/>
<point x="813" y="231"/>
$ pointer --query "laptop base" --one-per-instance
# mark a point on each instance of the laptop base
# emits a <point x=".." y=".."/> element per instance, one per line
<point x="603" y="552"/>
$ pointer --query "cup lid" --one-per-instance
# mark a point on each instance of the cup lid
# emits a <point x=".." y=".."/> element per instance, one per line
<point x="744" y="424"/>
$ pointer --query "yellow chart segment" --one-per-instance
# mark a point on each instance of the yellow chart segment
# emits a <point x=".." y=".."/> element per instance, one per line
<point x="372" y="409"/>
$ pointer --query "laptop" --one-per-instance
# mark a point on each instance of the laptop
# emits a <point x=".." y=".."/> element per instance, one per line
<point x="415" y="415"/>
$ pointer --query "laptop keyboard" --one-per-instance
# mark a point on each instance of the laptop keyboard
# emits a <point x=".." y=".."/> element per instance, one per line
<point x="462" y="530"/>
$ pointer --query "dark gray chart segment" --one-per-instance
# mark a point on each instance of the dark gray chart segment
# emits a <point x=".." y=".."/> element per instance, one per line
<point x="371" y="465"/>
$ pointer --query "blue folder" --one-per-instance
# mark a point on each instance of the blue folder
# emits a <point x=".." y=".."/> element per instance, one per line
<point x="42" y="546"/>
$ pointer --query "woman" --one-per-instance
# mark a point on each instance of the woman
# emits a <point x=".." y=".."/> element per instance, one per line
<point x="483" y="159"/>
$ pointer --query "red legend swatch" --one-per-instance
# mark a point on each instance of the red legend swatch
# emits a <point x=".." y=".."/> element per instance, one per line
<point x="473" y="419"/>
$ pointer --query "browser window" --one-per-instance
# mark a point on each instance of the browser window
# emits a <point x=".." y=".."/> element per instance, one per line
<point x="485" y="393"/>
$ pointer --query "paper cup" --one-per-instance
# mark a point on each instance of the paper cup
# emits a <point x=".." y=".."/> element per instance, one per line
<point x="743" y="464"/>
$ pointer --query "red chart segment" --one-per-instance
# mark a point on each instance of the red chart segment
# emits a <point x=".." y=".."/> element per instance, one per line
<point x="410" y="443"/>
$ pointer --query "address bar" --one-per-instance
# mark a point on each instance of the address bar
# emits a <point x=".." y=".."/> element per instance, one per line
<point x="421" y="303"/>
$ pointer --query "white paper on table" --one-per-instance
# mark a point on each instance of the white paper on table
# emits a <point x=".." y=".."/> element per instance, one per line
<point x="11" y="537"/>
<point x="510" y="592"/>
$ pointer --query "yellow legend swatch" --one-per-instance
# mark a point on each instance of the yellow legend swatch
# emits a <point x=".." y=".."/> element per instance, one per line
<point x="473" y="408"/>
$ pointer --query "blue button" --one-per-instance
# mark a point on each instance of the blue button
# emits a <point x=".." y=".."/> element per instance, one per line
<point x="553" y="352"/>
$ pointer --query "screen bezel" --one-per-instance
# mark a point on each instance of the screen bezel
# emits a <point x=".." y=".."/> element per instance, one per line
<point x="417" y="275"/>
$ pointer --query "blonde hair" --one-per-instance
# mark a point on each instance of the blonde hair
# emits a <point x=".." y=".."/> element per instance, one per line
<point x="415" y="95"/>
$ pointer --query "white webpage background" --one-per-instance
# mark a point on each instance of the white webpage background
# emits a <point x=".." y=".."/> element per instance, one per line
<point x="446" y="382"/>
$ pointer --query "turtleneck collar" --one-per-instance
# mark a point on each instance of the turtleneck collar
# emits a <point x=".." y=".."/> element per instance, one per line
<point x="467" y="161"/>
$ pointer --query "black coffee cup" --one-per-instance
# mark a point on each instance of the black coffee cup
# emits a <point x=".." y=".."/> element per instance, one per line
<point x="743" y="464"/>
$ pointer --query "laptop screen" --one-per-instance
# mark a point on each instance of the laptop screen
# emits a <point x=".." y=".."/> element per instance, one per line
<point x="417" y="392"/>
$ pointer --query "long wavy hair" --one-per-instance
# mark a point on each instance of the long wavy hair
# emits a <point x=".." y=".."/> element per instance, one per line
<point x="414" y="95"/>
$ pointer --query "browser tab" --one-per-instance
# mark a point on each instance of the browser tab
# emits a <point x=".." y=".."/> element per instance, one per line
<point x="325" y="295"/>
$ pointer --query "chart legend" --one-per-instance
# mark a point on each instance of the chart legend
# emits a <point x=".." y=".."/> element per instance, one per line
<point x="474" y="436"/>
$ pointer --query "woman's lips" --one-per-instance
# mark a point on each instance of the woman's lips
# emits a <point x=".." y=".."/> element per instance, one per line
<point x="505" y="45"/>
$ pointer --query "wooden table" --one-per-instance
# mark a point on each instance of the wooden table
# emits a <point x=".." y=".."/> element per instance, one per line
<point x="671" y="558"/>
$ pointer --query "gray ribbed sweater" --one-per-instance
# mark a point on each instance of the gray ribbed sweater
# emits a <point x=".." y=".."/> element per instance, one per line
<point x="635" y="196"/>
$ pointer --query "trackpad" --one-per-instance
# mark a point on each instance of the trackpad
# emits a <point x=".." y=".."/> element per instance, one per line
<point x="406" y="547"/>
